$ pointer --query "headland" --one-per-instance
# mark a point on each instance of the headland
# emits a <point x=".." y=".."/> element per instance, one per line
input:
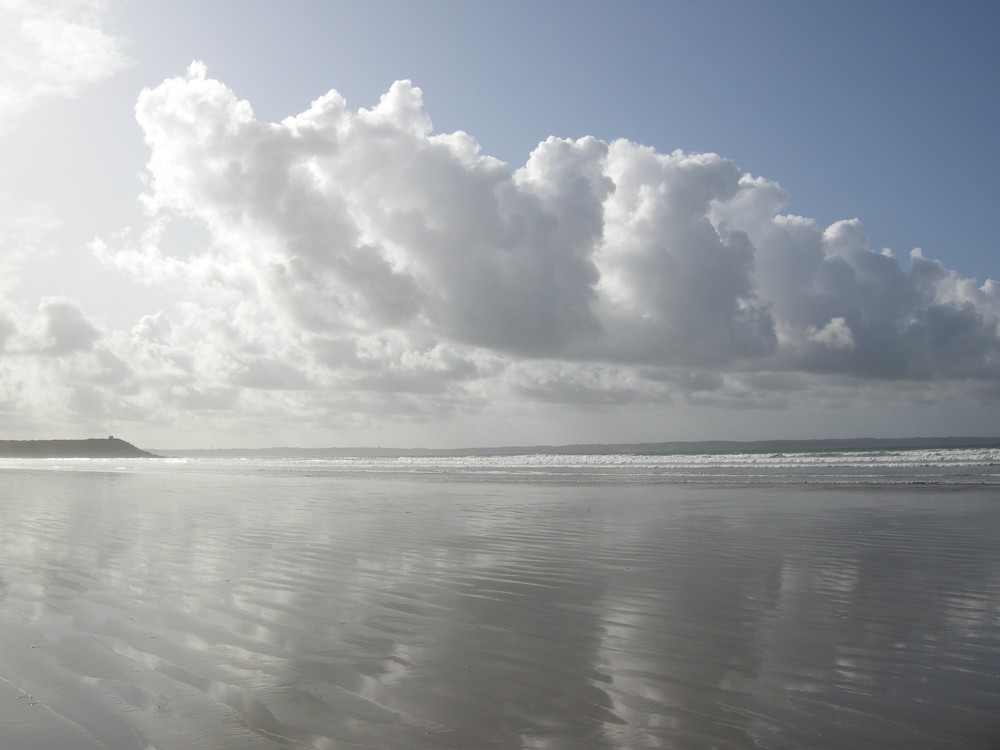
<point x="110" y="447"/>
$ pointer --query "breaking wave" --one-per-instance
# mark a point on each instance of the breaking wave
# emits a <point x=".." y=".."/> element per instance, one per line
<point x="932" y="466"/>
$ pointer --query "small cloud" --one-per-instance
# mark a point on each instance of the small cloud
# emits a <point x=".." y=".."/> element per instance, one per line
<point x="153" y="328"/>
<point x="271" y="375"/>
<point x="7" y="331"/>
<point x="51" y="48"/>
<point x="66" y="329"/>
<point x="836" y="334"/>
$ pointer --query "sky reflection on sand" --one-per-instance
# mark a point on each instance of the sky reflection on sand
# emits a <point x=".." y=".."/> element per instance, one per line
<point x="188" y="611"/>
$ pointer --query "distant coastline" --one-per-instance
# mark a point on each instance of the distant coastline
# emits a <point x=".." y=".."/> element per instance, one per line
<point x="593" y="449"/>
<point x="110" y="447"/>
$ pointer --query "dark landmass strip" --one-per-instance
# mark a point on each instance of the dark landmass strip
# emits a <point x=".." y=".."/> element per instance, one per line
<point x="90" y="448"/>
<point x="591" y="449"/>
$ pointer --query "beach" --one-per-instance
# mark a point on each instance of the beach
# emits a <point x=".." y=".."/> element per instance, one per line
<point x="260" y="604"/>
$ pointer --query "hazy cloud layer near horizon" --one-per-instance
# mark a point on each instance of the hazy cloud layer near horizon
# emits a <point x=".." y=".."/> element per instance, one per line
<point x="359" y="266"/>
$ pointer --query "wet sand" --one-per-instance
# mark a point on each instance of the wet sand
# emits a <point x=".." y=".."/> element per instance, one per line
<point x="192" y="611"/>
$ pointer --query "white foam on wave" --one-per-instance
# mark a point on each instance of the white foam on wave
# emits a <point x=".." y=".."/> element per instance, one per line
<point x="939" y="466"/>
<point x="920" y="466"/>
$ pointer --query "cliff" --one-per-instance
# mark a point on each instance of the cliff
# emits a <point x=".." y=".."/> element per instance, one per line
<point x="91" y="448"/>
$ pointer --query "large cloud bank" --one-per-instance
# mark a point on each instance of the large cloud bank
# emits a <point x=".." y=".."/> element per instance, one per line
<point x="359" y="265"/>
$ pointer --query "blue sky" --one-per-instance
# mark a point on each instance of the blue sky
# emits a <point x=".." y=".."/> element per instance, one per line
<point x="880" y="111"/>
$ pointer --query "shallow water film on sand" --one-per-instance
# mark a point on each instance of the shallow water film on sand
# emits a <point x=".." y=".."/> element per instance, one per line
<point x="502" y="604"/>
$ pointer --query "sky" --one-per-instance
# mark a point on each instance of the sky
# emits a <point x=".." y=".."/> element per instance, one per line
<point x="248" y="223"/>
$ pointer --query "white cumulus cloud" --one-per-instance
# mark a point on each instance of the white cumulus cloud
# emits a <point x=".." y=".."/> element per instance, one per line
<point x="361" y="265"/>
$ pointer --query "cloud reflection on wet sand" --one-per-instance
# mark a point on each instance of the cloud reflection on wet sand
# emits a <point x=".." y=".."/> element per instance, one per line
<point x="184" y="611"/>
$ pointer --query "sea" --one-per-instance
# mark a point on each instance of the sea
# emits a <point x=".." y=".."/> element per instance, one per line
<point x="614" y="602"/>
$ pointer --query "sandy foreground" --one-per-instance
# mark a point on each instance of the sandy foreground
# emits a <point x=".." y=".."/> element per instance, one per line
<point x="144" y="610"/>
